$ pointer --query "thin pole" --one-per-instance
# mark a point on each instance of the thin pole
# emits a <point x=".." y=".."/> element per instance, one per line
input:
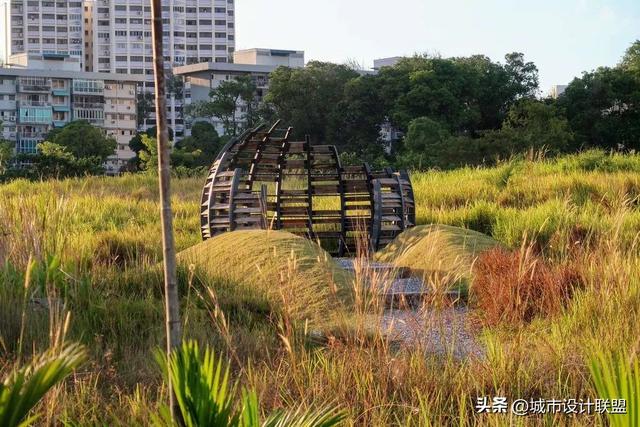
<point x="172" y="312"/>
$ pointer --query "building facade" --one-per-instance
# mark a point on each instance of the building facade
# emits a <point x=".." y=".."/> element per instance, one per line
<point x="50" y="27"/>
<point x="34" y="101"/>
<point x="195" y="31"/>
<point x="200" y="79"/>
<point x="557" y="90"/>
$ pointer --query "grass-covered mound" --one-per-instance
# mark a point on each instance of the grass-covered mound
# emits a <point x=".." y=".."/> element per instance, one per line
<point x="295" y="275"/>
<point x="443" y="253"/>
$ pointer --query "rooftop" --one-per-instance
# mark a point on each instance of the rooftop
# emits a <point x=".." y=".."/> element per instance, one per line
<point x="62" y="74"/>
<point x="224" y="66"/>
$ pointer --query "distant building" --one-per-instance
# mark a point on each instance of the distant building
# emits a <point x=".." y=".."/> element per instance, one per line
<point x="39" y="93"/>
<point x="119" y="35"/>
<point x="557" y="90"/>
<point x="273" y="57"/>
<point x="46" y="27"/>
<point x="386" y="62"/>
<point x="199" y="79"/>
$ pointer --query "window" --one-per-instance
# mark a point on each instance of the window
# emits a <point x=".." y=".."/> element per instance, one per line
<point x="121" y="58"/>
<point x="121" y="8"/>
<point x="221" y="47"/>
<point x="205" y="22"/>
<point x="121" y="20"/>
<point x="220" y="22"/>
<point x="204" y="10"/>
<point x="220" y="10"/>
<point x="136" y="58"/>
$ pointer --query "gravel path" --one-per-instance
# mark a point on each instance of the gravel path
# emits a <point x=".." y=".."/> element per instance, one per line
<point x="447" y="330"/>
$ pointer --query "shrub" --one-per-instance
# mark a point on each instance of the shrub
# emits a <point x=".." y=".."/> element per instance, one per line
<point x="516" y="286"/>
<point x="120" y="249"/>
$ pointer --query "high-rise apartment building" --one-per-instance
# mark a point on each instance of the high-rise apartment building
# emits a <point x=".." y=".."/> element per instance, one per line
<point x="47" y="93"/>
<point x="194" y="31"/>
<point x="46" y="27"/>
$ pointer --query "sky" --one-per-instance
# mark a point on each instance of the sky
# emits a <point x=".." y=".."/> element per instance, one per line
<point x="562" y="37"/>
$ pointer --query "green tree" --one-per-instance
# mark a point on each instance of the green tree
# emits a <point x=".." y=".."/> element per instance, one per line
<point x="603" y="108"/>
<point x="149" y="155"/>
<point x="83" y="140"/>
<point x="532" y="124"/>
<point x="226" y="100"/>
<point x="6" y="152"/>
<point x="200" y="148"/>
<point x="307" y="98"/>
<point x="631" y="59"/>
<point x="467" y="95"/>
<point x="523" y="76"/>
<point x="144" y="106"/>
<point x="354" y="124"/>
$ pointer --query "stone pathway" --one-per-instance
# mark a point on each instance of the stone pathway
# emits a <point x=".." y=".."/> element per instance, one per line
<point x="448" y="330"/>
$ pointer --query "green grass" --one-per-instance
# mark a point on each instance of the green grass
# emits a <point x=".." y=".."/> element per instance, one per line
<point x="97" y="245"/>
<point x="442" y="253"/>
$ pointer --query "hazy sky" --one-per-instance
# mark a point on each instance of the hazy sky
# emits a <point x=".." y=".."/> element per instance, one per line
<point x="563" y="37"/>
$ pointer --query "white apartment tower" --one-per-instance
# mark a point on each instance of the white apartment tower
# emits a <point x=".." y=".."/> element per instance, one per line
<point x="194" y="31"/>
<point x="44" y="27"/>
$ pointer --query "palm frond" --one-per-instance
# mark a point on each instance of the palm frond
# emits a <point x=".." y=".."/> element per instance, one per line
<point x="24" y="388"/>
<point x="201" y="385"/>
<point x="617" y="376"/>
<point x="326" y="416"/>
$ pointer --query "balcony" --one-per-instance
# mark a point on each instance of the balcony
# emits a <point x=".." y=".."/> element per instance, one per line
<point x="41" y="115"/>
<point x="30" y="135"/>
<point x="61" y="91"/>
<point x="88" y="87"/>
<point x="88" y="105"/>
<point x="7" y="87"/>
<point x="33" y="85"/>
<point x="30" y="103"/>
<point x="60" y="108"/>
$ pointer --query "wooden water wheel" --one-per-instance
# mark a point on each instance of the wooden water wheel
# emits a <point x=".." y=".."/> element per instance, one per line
<point x="264" y="179"/>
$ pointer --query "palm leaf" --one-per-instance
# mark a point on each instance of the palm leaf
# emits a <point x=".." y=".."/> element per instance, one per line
<point x="326" y="416"/>
<point x="24" y="388"/>
<point x="201" y="386"/>
<point x="617" y="376"/>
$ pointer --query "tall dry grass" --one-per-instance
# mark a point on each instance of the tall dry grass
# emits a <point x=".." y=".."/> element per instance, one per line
<point x="579" y="213"/>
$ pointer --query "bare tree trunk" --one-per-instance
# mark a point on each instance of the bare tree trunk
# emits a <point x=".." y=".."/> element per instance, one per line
<point x="172" y="311"/>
